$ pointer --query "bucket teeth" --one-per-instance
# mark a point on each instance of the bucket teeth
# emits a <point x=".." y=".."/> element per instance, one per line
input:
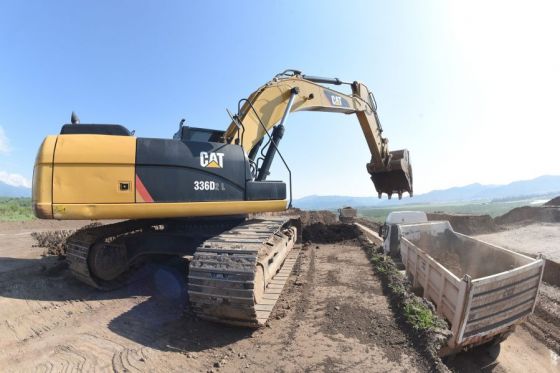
<point x="395" y="176"/>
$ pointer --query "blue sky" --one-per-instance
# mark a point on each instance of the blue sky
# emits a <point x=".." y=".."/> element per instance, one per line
<point x="471" y="88"/>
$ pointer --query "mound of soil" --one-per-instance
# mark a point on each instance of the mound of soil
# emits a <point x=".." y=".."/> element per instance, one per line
<point x="55" y="241"/>
<point x="553" y="202"/>
<point x="317" y="217"/>
<point x="307" y="217"/>
<point x="329" y="233"/>
<point x="467" y="224"/>
<point x="529" y="214"/>
<point x="374" y="226"/>
<point x="463" y="256"/>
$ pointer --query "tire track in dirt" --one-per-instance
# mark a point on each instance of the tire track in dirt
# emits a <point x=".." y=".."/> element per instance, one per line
<point x="307" y="261"/>
<point x="53" y="318"/>
<point x="340" y="307"/>
<point x="29" y="318"/>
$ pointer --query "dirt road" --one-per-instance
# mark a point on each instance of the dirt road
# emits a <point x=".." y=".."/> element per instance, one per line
<point x="332" y="317"/>
<point x="16" y="241"/>
<point x="520" y="353"/>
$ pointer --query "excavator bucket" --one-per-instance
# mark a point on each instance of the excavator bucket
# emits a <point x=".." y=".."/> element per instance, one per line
<point x="395" y="177"/>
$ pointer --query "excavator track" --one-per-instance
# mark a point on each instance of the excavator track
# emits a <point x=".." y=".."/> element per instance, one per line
<point x="79" y="245"/>
<point x="237" y="277"/>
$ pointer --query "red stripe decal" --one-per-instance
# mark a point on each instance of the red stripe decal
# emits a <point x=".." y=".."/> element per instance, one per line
<point x="140" y="188"/>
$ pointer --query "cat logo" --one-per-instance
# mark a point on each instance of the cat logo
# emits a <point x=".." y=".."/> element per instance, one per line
<point x="212" y="160"/>
<point x="336" y="100"/>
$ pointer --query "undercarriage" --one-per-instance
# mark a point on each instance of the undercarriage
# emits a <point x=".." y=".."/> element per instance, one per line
<point x="237" y="267"/>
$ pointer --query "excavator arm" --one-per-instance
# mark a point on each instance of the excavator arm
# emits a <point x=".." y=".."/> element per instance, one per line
<point x="291" y="91"/>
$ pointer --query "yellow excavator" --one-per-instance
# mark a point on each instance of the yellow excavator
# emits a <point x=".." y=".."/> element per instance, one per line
<point x="190" y="196"/>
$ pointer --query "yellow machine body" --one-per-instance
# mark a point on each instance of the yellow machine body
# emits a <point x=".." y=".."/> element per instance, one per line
<point x="80" y="177"/>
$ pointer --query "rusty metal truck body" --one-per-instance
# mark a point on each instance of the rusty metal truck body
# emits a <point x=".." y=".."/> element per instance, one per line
<point x="347" y="215"/>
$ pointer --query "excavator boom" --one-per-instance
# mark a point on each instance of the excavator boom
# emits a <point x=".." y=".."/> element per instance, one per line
<point x="291" y="91"/>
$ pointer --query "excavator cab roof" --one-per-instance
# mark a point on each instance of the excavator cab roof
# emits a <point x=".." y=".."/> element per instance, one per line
<point x="95" y="129"/>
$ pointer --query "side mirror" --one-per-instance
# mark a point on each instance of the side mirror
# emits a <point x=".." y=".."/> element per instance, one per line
<point x="383" y="230"/>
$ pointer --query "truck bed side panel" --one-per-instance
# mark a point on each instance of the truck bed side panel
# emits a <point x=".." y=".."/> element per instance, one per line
<point x="439" y="285"/>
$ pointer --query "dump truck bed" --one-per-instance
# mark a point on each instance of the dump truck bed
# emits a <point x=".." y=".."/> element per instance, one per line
<point x="482" y="290"/>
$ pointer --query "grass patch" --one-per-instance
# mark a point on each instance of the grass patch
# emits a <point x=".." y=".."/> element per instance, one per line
<point x="420" y="316"/>
<point x="15" y="209"/>
<point x="415" y="310"/>
<point x="428" y="331"/>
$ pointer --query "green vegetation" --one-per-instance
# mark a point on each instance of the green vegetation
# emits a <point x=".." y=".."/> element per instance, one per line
<point x="428" y="331"/>
<point x="15" y="209"/>
<point x="477" y="208"/>
<point x="419" y="316"/>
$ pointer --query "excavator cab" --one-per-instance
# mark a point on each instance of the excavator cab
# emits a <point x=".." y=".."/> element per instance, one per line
<point x="395" y="176"/>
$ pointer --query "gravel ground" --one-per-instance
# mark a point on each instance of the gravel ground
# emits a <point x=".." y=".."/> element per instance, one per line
<point x="531" y="239"/>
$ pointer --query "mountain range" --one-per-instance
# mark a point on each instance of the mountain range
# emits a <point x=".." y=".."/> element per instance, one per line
<point x="543" y="185"/>
<point x="7" y="190"/>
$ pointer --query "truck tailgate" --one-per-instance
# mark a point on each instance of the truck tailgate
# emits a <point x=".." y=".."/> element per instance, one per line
<point x="498" y="301"/>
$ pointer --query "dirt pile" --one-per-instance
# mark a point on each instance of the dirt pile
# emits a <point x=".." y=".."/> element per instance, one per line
<point x="314" y="217"/>
<point x="451" y="261"/>
<point x="484" y="224"/>
<point x="467" y="224"/>
<point x="329" y="233"/>
<point x="553" y="202"/>
<point x="55" y="241"/>
<point x="528" y="215"/>
<point x="374" y="226"/>
<point x="307" y="217"/>
<point x="464" y="256"/>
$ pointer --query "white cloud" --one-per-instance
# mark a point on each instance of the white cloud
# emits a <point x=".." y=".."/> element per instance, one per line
<point x="15" y="180"/>
<point x="4" y="142"/>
